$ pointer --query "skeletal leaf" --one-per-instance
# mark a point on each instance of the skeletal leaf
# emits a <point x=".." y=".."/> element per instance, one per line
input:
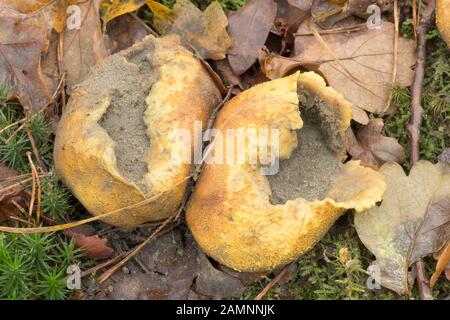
<point x="412" y="221"/>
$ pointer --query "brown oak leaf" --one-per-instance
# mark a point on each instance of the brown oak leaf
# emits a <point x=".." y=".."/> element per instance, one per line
<point x="84" y="47"/>
<point x="95" y="247"/>
<point x="372" y="148"/>
<point x="249" y="27"/>
<point x="412" y="221"/>
<point x="21" y="43"/>
<point x="359" y="64"/>
<point x="205" y="31"/>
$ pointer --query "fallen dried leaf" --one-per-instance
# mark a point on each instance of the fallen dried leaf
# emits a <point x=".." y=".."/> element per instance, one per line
<point x="223" y="68"/>
<point x="204" y="31"/>
<point x="95" y="247"/>
<point x="290" y="13"/>
<point x="444" y="156"/>
<point x="363" y="73"/>
<point x="411" y="222"/>
<point x="249" y="27"/>
<point x="124" y="31"/>
<point x="84" y="47"/>
<point x="21" y="43"/>
<point x="275" y="66"/>
<point x="372" y="148"/>
<point x="176" y="269"/>
<point x="116" y="8"/>
<point x="54" y="13"/>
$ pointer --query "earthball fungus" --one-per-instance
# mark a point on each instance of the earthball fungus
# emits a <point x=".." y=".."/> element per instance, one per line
<point x="114" y="146"/>
<point x="443" y="19"/>
<point x="250" y="220"/>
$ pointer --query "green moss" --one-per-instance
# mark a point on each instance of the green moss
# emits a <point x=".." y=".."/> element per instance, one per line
<point x="15" y="143"/>
<point x="34" y="266"/>
<point x="55" y="199"/>
<point x="323" y="273"/>
<point x="435" y="129"/>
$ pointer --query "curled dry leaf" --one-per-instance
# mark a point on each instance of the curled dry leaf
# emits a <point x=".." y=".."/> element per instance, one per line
<point x="363" y="73"/>
<point x="444" y="156"/>
<point x="204" y="31"/>
<point x="124" y="31"/>
<point x="290" y="13"/>
<point x="84" y="47"/>
<point x="372" y="148"/>
<point x="275" y="66"/>
<point x="116" y="8"/>
<point x="21" y="43"/>
<point x="249" y="27"/>
<point x="412" y="221"/>
<point x="95" y="247"/>
<point x="223" y="68"/>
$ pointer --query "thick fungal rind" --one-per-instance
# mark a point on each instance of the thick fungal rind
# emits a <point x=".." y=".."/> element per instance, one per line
<point x="85" y="156"/>
<point x="443" y="19"/>
<point x="230" y="214"/>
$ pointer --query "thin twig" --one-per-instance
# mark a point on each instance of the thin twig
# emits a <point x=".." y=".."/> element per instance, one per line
<point x="102" y="265"/>
<point x="414" y="17"/>
<point x="33" y="195"/>
<point x="21" y="220"/>
<point x="18" y="206"/>
<point x="11" y="125"/>
<point x="272" y="283"/>
<point x="17" y="184"/>
<point x="41" y="9"/>
<point x="61" y="71"/>
<point x="38" y="183"/>
<point x="358" y="27"/>
<point x="394" y="67"/>
<point x="14" y="133"/>
<point x="136" y="250"/>
<point x="33" y="145"/>
<point x="413" y="126"/>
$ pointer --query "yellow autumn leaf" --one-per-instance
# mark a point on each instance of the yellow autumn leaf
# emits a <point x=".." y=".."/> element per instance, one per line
<point x="53" y="11"/>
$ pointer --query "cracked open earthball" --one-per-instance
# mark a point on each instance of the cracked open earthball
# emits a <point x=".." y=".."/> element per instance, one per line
<point x="250" y="220"/>
<point x="114" y="147"/>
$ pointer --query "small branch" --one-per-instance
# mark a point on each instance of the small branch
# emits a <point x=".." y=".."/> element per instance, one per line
<point x="394" y="68"/>
<point x="38" y="183"/>
<point x="272" y="283"/>
<point x="137" y="249"/>
<point x="413" y="126"/>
